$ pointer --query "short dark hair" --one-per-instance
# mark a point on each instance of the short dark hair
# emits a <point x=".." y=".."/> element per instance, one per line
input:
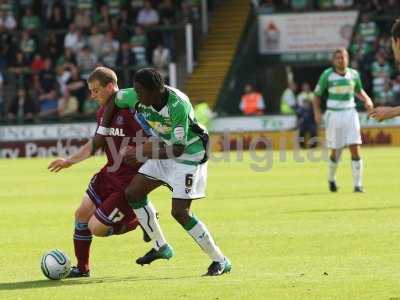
<point x="103" y="75"/>
<point x="396" y="29"/>
<point x="150" y="79"/>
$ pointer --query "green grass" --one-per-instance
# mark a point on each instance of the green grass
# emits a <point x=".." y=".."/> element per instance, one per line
<point x="286" y="235"/>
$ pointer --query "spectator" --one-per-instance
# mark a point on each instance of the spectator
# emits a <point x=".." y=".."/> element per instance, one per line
<point x="47" y="91"/>
<point x="83" y="20"/>
<point x="71" y="38"/>
<point x="381" y="72"/>
<point x="37" y="64"/>
<point x="27" y="45"/>
<point x="368" y="29"/>
<point x="19" y="70"/>
<point x="68" y="57"/>
<point x="7" y="20"/>
<point x="30" y="21"/>
<point x="76" y="87"/>
<point x="147" y="16"/>
<point x="167" y="13"/>
<point x="86" y="61"/>
<point x="57" y="19"/>
<point x="114" y="7"/>
<point x="125" y="62"/>
<point x="252" y="102"/>
<point x="109" y="50"/>
<point x="22" y="107"/>
<point x="386" y="96"/>
<point x="52" y="46"/>
<point x="306" y="95"/>
<point x="67" y="106"/>
<point x="96" y="39"/>
<point x="168" y="17"/>
<point x="103" y="20"/>
<point x="161" y="60"/>
<point x="288" y="99"/>
<point x="307" y="125"/>
<point x="138" y="44"/>
<point x="6" y="40"/>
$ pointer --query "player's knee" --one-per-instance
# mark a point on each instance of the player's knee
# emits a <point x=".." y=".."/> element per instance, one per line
<point x="81" y="215"/>
<point x="130" y="194"/>
<point x="97" y="228"/>
<point x="180" y="215"/>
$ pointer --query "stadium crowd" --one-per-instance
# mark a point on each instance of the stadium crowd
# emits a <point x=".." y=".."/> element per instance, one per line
<point x="48" y="48"/>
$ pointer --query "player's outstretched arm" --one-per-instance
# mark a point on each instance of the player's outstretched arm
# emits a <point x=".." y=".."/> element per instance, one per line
<point x="63" y="163"/>
<point x="368" y="104"/>
<point x="381" y="113"/>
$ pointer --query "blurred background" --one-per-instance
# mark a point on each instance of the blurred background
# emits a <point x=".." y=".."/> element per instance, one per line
<point x="247" y="66"/>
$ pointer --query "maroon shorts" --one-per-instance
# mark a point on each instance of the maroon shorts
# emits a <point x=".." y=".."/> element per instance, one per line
<point x="111" y="206"/>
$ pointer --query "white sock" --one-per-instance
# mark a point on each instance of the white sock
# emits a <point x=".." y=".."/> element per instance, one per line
<point x="332" y="167"/>
<point x="357" y="168"/>
<point x="204" y="239"/>
<point x="148" y="219"/>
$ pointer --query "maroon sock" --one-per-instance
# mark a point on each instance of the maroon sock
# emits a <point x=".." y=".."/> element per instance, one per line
<point x="82" y="241"/>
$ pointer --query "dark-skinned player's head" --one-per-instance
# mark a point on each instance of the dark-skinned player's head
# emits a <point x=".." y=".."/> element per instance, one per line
<point x="102" y="84"/>
<point x="396" y="39"/>
<point x="149" y="86"/>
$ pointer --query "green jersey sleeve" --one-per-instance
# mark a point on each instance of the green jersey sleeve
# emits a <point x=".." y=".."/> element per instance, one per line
<point x="358" y="84"/>
<point x="322" y="84"/>
<point x="179" y="124"/>
<point x="126" y="98"/>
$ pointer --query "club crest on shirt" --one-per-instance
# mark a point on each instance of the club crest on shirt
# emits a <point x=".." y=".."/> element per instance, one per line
<point x="119" y="121"/>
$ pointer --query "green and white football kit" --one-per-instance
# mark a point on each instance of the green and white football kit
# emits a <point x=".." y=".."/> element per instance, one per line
<point x="342" y="124"/>
<point x="173" y="124"/>
<point x="186" y="175"/>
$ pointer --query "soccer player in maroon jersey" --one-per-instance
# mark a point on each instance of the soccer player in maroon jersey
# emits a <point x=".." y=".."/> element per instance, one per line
<point x="104" y="210"/>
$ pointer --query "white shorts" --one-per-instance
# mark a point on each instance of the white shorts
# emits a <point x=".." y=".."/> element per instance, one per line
<point x="342" y="128"/>
<point x="185" y="181"/>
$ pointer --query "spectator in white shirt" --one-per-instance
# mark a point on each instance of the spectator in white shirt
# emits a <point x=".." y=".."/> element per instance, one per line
<point x="147" y="16"/>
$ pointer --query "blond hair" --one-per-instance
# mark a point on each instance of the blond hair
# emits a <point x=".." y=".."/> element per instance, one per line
<point x="103" y="75"/>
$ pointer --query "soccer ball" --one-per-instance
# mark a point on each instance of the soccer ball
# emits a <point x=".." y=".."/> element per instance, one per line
<point x="55" y="264"/>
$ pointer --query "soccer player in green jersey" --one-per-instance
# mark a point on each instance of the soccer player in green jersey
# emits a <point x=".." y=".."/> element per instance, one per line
<point x="386" y="112"/>
<point x="175" y="157"/>
<point x="342" y="125"/>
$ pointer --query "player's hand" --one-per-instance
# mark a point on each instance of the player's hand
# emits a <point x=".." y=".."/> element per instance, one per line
<point x="59" y="164"/>
<point x="317" y="117"/>
<point x="369" y="107"/>
<point x="129" y="155"/>
<point x="381" y="113"/>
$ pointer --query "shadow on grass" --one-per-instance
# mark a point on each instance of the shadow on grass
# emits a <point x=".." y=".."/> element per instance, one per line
<point x="343" y="209"/>
<point x="45" y="283"/>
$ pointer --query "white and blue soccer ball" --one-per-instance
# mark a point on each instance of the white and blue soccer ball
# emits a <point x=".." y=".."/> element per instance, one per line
<point x="55" y="264"/>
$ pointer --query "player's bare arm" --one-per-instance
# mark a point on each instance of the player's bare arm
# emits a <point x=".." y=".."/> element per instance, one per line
<point x="63" y="163"/>
<point x="385" y="112"/>
<point x="317" y="109"/>
<point x="368" y="104"/>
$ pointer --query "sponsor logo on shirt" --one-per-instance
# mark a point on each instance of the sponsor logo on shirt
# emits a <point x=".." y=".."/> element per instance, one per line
<point x="179" y="133"/>
<point x="117" y="132"/>
<point x="120" y="120"/>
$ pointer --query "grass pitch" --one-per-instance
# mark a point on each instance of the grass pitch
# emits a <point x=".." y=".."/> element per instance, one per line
<point x="286" y="235"/>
